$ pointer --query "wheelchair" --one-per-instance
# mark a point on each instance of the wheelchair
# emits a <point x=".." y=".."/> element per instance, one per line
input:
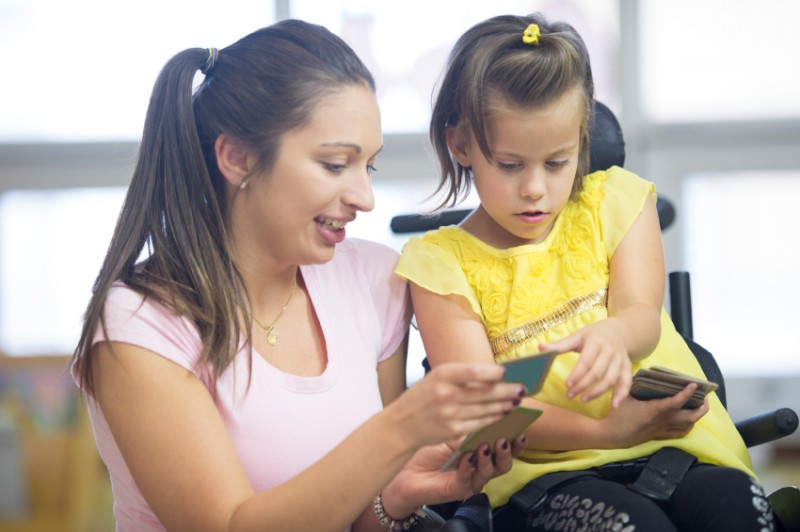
<point x="608" y="149"/>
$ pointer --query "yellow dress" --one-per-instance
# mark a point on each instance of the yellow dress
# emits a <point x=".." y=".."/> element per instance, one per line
<point x="540" y="293"/>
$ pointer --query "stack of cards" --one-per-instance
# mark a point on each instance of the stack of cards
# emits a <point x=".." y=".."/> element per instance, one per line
<point x="509" y="428"/>
<point x="658" y="382"/>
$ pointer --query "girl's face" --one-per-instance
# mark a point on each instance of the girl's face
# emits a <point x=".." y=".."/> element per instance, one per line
<point x="529" y="178"/>
<point x="297" y="211"/>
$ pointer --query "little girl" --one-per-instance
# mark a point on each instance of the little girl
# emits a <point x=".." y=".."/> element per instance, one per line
<point x="556" y="259"/>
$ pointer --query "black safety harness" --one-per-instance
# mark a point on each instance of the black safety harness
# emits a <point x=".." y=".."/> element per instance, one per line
<point x="654" y="476"/>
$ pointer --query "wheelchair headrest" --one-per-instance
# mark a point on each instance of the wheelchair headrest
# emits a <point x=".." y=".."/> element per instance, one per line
<point x="606" y="145"/>
<point x="606" y="149"/>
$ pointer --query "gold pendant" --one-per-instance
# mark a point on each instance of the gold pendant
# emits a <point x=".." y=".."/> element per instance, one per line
<point x="272" y="336"/>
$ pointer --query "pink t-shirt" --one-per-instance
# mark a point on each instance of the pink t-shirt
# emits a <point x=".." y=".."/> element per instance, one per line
<point x="284" y="422"/>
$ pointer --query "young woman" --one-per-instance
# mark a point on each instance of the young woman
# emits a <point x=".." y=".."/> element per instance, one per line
<point x="238" y="351"/>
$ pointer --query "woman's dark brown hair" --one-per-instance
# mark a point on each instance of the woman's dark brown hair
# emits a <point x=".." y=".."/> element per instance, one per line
<point x="491" y="61"/>
<point x="175" y="211"/>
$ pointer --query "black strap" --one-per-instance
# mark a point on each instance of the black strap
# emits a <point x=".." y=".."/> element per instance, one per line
<point x="662" y="474"/>
<point x="427" y="521"/>
<point x="534" y="492"/>
<point x="473" y="515"/>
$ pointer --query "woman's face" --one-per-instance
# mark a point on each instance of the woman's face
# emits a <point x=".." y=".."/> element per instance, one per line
<point x="296" y="212"/>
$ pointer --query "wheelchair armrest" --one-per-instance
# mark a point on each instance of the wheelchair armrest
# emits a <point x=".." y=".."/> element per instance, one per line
<point x="768" y="426"/>
<point x="785" y="503"/>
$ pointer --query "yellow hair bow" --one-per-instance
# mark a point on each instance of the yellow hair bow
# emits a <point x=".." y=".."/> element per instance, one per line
<point x="531" y="34"/>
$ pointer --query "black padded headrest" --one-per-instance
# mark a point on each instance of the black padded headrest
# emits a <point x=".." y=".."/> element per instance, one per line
<point x="606" y="149"/>
<point x="607" y="145"/>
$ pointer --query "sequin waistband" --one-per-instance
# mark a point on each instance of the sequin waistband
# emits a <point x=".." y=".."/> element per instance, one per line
<point x="521" y="333"/>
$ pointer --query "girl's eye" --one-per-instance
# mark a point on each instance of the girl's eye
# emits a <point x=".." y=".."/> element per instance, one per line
<point x="558" y="164"/>
<point x="507" y="167"/>
<point x="371" y="169"/>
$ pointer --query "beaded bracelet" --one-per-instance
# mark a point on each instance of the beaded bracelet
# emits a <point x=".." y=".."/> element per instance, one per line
<point x="393" y="524"/>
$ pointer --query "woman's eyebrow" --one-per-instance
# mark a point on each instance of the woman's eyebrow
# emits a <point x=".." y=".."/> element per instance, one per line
<point x="353" y="146"/>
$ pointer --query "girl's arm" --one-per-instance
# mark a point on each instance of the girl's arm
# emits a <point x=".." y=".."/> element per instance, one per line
<point x="451" y="331"/>
<point x="173" y="440"/>
<point x="636" y="283"/>
<point x="634" y="422"/>
<point x="632" y="330"/>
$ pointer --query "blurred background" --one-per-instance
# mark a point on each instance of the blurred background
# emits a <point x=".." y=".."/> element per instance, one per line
<point x="707" y="94"/>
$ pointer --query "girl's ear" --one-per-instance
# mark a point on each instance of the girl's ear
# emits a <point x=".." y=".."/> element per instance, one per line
<point x="457" y="144"/>
<point x="234" y="160"/>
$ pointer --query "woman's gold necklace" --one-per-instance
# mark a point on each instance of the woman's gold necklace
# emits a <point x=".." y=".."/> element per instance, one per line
<point x="269" y="330"/>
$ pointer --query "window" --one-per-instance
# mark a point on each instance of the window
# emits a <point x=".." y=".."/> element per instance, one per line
<point x="52" y="244"/>
<point x="83" y="70"/>
<point x="740" y="246"/>
<point x="718" y="61"/>
<point x="405" y="44"/>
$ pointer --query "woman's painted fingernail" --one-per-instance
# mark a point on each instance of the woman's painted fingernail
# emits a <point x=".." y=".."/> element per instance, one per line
<point x="486" y="451"/>
<point x="504" y="445"/>
<point x="516" y="402"/>
<point x="521" y="392"/>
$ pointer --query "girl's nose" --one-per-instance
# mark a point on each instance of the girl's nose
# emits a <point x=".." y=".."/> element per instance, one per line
<point x="533" y="184"/>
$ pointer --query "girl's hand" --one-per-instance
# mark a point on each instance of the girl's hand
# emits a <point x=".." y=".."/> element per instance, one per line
<point x="451" y="401"/>
<point x="604" y="363"/>
<point x="422" y="482"/>
<point x="637" y="421"/>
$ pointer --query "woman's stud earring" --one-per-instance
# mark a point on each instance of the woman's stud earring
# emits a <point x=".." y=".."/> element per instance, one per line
<point x="242" y="184"/>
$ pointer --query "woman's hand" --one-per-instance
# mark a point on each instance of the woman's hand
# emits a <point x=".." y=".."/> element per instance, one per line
<point x="637" y="421"/>
<point x="604" y="362"/>
<point x="422" y="481"/>
<point x="451" y="401"/>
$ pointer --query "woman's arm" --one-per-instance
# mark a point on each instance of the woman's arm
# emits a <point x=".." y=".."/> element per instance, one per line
<point x="177" y="449"/>
<point x="392" y="373"/>
<point x="421" y="479"/>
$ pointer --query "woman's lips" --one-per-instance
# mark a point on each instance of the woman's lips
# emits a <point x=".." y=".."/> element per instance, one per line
<point x="331" y="230"/>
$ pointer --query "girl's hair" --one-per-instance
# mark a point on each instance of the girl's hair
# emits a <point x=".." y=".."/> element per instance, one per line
<point x="176" y="209"/>
<point x="491" y="61"/>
